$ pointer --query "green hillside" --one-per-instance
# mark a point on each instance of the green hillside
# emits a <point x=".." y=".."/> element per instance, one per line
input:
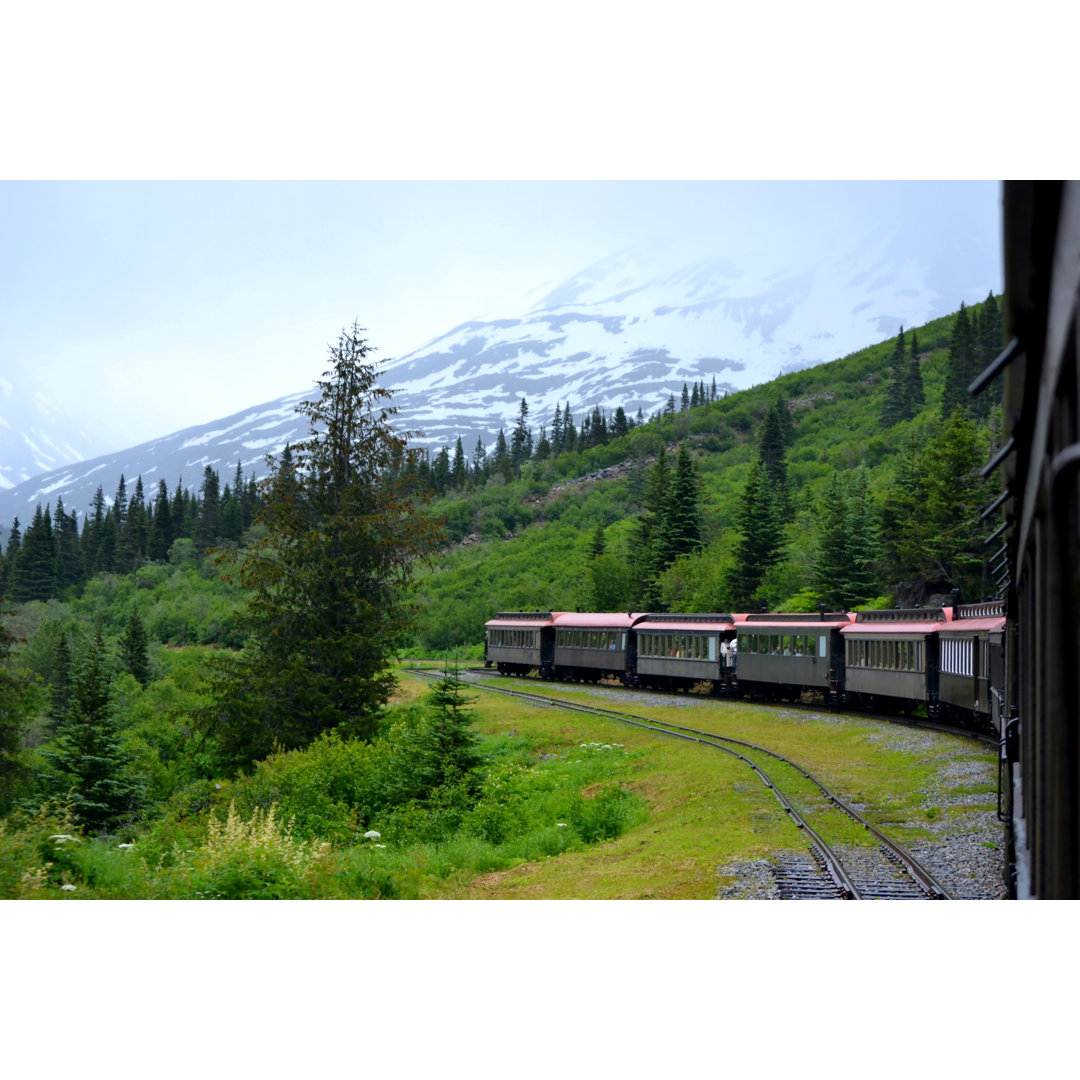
<point x="525" y="542"/>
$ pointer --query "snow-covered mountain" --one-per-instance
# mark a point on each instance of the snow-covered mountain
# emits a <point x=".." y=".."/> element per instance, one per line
<point x="35" y="436"/>
<point x="626" y="331"/>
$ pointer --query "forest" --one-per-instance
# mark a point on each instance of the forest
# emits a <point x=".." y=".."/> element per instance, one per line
<point x="197" y="690"/>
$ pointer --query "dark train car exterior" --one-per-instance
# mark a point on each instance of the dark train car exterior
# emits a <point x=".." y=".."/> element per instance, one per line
<point x="592" y="645"/>
<point x="891" y="658"/>
<point x="676" y="652"/>
<point x="781" y="655"/>
<point x="971" y="672"/>
<point x="515" y="642"/>
<point x="1039" y="571"/>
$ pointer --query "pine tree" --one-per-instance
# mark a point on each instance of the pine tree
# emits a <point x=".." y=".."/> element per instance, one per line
<point x="683" y="524"/>
<point x="543" y="446"/>
<point x="16" y="709"/>
<point x="88" y="761"/>
<point x="458" y="470"/>
<point x="894" y="408"/>
<point x="35" y="571"/>
<point x="160" y="538"/>
<point x="760" y="540"/>
<point x="619" y="424"/>
<point x="521" y="438"/>
<point x="847" y="544"/>
<point x="557" y="432"/>
<point x="914" y="394"/>
<point x="479" y="460"/>
<point x="329" y="581"/>
<point x="958" y="366"/>
<point x="134" y="645"/>
<point x="684" y="403"/>
<point x="653" y="549"/>
<point x="453" y="744"/>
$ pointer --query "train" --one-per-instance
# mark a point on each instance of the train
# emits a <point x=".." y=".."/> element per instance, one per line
<point x="948" y="660"/>
<point x="1011" y="665"/>
<point x="1038" y="562"/>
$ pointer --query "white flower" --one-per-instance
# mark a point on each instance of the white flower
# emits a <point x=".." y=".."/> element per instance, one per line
<point x="371" y="834"/>
<point x="125" y="846"/>
<point x="63" y="838"/>
<point x="560" y="824"/>
<point x="378" y="845"/>
<point x="67" y="888"/>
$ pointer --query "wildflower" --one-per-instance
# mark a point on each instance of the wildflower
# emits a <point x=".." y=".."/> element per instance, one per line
<point x="371" y="834"/>
<point x="123" y="846"/>
<point x="63" y="838"/>
<point x="560" y="824"/>
<point x="378" y="845"/>
<point x="67" y="888"/>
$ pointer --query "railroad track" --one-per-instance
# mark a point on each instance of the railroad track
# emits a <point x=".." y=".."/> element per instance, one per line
<point x="884" y="871"/>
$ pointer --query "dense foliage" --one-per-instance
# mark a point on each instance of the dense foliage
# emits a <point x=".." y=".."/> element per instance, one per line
<point x="230" y="717"/>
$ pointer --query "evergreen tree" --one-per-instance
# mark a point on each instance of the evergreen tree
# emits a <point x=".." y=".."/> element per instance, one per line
<point x="15" y="712"/>
<point x="596" y="545"/>
<point x="760" y="540"/>
<point x="453" y="745"/>
<point x="653" y="550"/>
<point x="161" y="533"/>
<point x="60" y="684"/>
<point x="619" y="424"/>
<point x="134" y="645"/>
<point x="914" y="394"/>
<point x="35" y="571"/>
<point x="557" y="432"/>
<point x="543" y="446"/>
<point x="207" y="530"/>
<point x="682" y="524"/>
<point x="959" y="367"/>
<point x="684" y="403"/>
<point x="895" y="406"/>
<point x="440" y="472"/>
<point x="68" y="552"/>
<point x="88" y="761"/>
<point x="569" y="430"/>
<point x="479" y="462"/>
<point x="847" y="542"/>
<point x="458" y="470"/>
<point x="11" y="556"/>
<point x="521" y="439"/>
<point x="328" y="582"/>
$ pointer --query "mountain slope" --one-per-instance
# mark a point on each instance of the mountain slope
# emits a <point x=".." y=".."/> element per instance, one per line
<point x="626" y="331"/>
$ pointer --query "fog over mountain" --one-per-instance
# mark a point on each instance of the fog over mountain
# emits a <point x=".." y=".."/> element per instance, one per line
<point x="628" y="330"/>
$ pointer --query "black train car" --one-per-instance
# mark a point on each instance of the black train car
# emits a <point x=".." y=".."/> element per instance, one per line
<point x="518" y="641"/>
<point x="971" y="668"/>
<point x="1039" y="571"/>
<point x="676" y="652"/>
<point x="779" y="656"/>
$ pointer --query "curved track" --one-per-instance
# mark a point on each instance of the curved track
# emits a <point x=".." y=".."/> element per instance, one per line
<point x="884" y="872"/>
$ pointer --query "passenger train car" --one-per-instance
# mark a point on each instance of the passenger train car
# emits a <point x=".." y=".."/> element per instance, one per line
<point x="938" y="658"/>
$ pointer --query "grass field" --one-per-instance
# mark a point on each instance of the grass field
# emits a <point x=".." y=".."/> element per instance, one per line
<point x="705" y="810"/>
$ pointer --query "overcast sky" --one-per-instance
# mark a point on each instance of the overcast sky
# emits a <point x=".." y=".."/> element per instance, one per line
<point x="149" y="305"/>
<point x="143" y="308"/>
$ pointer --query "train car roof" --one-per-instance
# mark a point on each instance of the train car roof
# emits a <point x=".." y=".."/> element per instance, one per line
<point x="780" y="621"/>
<point x="686" y="622"/>
<point x="983" y="625"/>
<point x="618" y="620"/>
<point x="522" y="619"/>
<point x="896" y="626"/>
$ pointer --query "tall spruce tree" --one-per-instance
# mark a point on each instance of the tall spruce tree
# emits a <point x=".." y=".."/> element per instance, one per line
<point x="914" y="394"/>
<point x="960" y="365"/>
<point x="328" y="605"/>
<point x="88" y="762"/>
<point x="760" y="540"/>
<point x="134" y="647"/>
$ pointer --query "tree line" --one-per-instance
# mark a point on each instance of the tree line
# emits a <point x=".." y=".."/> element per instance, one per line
<point x="446" y="470"/>
<point x="52" y="555"/>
